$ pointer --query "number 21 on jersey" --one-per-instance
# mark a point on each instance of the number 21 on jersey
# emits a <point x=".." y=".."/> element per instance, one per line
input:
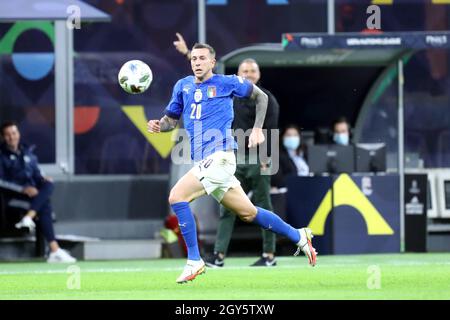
<point x="196" y="112"/>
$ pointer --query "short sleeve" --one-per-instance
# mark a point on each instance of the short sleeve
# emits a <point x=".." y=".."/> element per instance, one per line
<point x="242" y="88"/>
<point x="175" y="107"/>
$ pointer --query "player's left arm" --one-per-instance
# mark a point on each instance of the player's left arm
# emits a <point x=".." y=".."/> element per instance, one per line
<point x="261" y="102"/>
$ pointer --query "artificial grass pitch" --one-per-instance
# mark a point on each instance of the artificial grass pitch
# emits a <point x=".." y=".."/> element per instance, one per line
<point x="381" y="276"/>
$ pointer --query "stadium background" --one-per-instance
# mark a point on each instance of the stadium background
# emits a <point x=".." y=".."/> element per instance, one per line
<point x="116" y="167"/>
<point x="141" y="29"/>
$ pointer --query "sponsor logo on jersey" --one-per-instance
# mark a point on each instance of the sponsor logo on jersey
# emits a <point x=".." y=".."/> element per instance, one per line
<point x="186" y="89"/>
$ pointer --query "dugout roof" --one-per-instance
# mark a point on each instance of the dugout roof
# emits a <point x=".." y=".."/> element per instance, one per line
<point x="14" y="10"/>
<point x="57" y="12"/>
<point x="343" y="49"/>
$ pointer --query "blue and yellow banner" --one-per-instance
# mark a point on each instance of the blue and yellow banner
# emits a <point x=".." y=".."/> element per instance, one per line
<point x="347" y="214"/>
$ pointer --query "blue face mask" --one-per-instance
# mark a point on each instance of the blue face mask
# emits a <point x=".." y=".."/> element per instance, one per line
<point x="341" y="138"/>
<point x="291" y="143"/>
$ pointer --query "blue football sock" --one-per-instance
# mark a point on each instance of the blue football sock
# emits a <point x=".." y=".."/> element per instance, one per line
<point x="188" y="228"/>
<point x="270" y="221"/>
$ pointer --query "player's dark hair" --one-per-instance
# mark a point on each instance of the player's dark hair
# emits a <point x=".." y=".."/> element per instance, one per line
<point x="7" y="124"/>
<point x="205" y="46"/>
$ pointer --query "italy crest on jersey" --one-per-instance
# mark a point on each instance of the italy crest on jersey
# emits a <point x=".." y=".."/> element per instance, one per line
<point x="198" y="95"/>
<point x="212" y="91"/>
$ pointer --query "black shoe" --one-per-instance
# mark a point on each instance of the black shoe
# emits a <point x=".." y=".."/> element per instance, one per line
<point x="214" y="261"/>
<point x="265" y="262"/>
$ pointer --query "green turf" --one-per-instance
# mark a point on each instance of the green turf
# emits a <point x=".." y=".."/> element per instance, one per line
<point x="402" y="276"/>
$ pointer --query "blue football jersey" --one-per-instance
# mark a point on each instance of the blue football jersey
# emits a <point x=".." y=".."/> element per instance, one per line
<point x="207" y="110"/>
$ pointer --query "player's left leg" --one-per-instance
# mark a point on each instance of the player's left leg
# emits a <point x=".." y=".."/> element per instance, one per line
<point x="237" y="201"/>
<point x="187" y="189"/>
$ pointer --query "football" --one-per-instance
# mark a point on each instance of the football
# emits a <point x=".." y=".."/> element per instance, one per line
<point x="135" y="76"/>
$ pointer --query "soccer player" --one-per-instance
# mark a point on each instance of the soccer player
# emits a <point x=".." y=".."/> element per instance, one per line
<point x="206" y="102"/>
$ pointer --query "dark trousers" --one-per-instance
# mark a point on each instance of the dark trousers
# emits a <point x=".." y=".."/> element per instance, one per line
<point x="251" y="179"/>
<point x="41" y="204"/>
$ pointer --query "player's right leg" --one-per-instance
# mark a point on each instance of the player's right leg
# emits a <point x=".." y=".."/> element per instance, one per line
<point x="187" y="189"/>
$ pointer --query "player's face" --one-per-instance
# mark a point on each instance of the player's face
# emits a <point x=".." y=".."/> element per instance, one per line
<point x="250" y="71"/>
<point x="202" y="63"/>
<point x="11" y="135"/>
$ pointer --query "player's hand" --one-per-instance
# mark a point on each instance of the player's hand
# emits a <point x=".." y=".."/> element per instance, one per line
<point x="256" y="137"/>
<point x="31" y="191"/>
<point x="153" y="126"/>
<point x="180" y="44"/>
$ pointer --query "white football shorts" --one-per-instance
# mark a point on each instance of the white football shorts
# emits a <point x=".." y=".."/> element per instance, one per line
<point x="216" y="173"/>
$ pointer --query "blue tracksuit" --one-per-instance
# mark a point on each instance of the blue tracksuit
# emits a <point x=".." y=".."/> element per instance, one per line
<point x="21" y="170"/>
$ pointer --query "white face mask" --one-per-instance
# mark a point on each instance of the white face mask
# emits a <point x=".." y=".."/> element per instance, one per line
<point x="291" y="143"/>
<point x="341" y="138"/>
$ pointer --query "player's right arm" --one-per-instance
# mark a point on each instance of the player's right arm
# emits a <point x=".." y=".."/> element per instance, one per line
<point x="172" y="112"/>
<point x="163" y="125"/>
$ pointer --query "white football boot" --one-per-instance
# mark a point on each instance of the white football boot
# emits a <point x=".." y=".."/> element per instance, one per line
<point x="191" y="270"/>
<point x="305" y="245"/>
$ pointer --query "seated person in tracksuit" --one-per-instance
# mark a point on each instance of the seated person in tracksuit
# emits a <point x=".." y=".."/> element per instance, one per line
<point x="19" y="169"/>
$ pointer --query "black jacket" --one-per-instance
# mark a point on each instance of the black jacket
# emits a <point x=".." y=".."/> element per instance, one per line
<point x="286" y="168"/>
<point x="245" y="112"/>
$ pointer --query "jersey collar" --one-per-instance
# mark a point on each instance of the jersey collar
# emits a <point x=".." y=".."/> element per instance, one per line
<point x="206" y="81"/>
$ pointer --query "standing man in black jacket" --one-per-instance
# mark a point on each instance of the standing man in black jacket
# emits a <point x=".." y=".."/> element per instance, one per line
<point x="247" y="173"/>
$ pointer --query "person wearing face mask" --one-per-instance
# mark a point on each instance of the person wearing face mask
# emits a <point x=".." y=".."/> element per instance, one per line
<point x="293" y="159"/>
<point x="341" y="131"/>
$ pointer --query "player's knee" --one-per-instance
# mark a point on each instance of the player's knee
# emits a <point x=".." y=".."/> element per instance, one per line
<point x="175" y="197"/>
<point x="248" y="215"/>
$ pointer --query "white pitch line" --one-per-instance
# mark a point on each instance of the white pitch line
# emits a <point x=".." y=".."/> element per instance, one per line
<point x="180" y="267"/>
<point x="103" y="270"/>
